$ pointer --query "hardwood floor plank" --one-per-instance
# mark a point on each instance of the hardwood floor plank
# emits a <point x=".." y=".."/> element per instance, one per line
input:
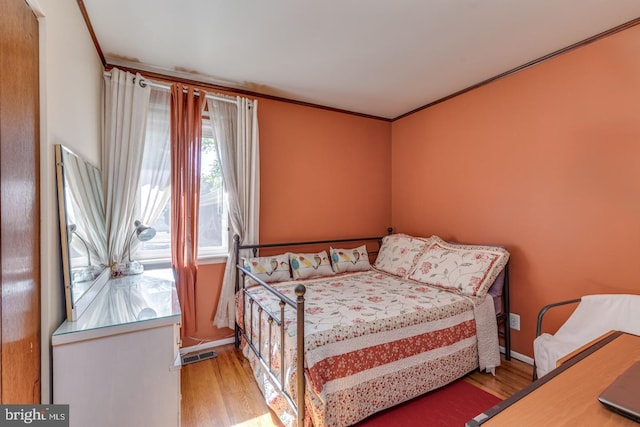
<point x="202" y="398"/>
<point x="221" y="392"/>
<point x="511" y="376"/>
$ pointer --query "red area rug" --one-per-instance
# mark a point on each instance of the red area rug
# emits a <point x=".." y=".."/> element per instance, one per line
<point x="452" y="405"/>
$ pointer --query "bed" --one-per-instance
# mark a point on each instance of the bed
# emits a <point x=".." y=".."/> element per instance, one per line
<point x="370" y="322"/>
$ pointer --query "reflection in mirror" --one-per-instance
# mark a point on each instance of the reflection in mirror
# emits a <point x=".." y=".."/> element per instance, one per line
<point x="82" y="230"/>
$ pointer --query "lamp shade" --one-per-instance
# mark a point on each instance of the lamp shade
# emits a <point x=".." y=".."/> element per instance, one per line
<point x="71" y="228"/>
<point x="144" y="232"/>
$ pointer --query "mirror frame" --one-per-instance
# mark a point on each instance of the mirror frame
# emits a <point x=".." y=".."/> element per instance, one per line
<point x="74" y="306"/>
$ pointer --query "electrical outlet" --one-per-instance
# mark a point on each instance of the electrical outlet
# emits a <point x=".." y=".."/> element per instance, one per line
<point x="514" y="321"/>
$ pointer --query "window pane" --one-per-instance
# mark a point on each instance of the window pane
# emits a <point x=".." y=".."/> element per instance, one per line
<point x="212" y="229"/>
<point x="213" y="234"/>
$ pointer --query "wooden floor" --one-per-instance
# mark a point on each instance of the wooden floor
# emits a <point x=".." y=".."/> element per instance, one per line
<point x="221" y="392"/>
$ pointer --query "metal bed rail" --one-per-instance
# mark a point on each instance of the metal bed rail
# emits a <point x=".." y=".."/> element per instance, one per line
<point x="296" y="403"/>
<point x="504" y="316"/>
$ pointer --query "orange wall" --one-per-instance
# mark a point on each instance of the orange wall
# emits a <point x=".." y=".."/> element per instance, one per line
<point x="547" y="162"/>
<point x="323" y="174"/>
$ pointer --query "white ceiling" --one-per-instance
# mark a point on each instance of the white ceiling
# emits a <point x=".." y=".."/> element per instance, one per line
<point x="377" y="57"/>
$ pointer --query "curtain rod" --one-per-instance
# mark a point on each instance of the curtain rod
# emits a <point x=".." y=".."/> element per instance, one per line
<point x="151" y="83"/>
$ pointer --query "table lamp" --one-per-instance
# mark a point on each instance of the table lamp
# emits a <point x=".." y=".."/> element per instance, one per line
<point x="144" y="233"/>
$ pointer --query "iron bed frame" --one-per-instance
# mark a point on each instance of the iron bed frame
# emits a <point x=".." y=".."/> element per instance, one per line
<point x="297" y="402"/>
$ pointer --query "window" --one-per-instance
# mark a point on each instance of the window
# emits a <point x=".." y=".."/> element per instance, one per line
<point x="213" y="230"/>
<point x="154" y="198"/>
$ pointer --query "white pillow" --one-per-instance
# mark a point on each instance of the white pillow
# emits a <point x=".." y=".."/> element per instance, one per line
<point x="356" y="259"/>
<point x="307" y="265"/>
<point x="399" y="252"/>
<point x="269" y="268"/>
<point x="469" y="269"/>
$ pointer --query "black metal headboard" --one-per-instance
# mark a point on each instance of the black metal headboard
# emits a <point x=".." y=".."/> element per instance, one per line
<point x="255" y="247"/>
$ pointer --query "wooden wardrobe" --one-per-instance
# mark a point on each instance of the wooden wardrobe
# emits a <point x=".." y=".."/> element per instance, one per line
<point x="19" y="205"/>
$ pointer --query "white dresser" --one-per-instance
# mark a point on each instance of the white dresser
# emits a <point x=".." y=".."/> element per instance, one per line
<point x="119" y="363"/>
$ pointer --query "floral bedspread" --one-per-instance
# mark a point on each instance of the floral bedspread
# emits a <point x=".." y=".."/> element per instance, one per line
<point x="372" y="341"/>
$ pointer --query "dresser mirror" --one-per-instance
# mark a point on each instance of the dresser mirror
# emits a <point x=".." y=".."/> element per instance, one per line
<point x="83" y="238"/>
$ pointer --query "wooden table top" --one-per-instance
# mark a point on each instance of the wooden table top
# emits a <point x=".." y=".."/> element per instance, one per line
<point x="569" y="395"/>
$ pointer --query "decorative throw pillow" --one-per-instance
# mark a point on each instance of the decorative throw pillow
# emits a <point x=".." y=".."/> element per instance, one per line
<point x="356" y="259"/>
<point x="269" y="268"/>
<point x="399" y="252"/>
<point x="309" y="265"/>
<point x="470" y="269"/>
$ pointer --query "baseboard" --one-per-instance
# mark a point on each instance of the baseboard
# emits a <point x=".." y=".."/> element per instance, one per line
<point x="206" y="345"/>
<point x="519" y="356"/>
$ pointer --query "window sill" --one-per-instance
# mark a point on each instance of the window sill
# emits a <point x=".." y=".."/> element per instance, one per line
<point x="212" y="259"/>
<point x="153" y="264"/>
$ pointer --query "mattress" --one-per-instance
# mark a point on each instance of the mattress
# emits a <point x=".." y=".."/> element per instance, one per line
<point x="372" y="341"/>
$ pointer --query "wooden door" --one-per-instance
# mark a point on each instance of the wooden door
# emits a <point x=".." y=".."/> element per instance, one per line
<point x="19" y="205"/>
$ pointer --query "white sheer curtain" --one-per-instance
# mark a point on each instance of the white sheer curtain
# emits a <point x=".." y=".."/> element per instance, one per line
<point x="124" y="123"/>
<point x="86" y="208"/>
<point x="155" y="178"/>
<point x="236" y="132"/>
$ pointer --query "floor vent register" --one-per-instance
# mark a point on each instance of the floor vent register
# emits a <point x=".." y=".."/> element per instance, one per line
<point x="198" y="356"/>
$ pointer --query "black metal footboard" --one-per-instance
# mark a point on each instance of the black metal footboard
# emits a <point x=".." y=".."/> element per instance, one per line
<point x="255" y="339"/>
<point x="295" y="402"/>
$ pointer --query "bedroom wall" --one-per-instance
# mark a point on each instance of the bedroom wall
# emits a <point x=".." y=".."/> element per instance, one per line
<point x="547" y="162"/>
<point x="324" y="174"/>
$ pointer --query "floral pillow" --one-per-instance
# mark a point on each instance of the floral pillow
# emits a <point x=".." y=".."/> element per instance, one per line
<point x="399" y="252"/>
<point x="269" y="268"/>
<point x="356" y="259"/>
<point x="309" y="265"/>
<point x="469" y="269"/>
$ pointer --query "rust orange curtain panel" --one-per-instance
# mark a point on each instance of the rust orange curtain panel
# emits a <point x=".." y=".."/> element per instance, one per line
<point x="186" y="134"/>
